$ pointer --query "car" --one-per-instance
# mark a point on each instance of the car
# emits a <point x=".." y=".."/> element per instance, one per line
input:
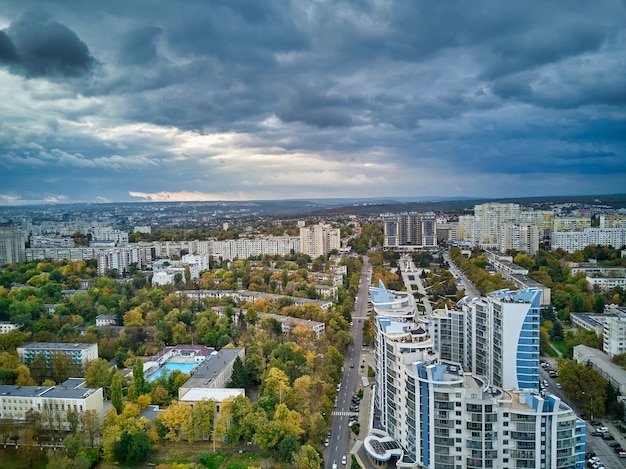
<point x="326" y="442"/>
<point x="351" y="365"/>
<point x="618" y="450"/>
<point x="595" y="423"/>
<point x="622" y="454"/>
<point x="344" y="459"/>
<point x="594" y="433"/>
<point x="334" y="465"/>
<point x="614" y="444"/>
<point x="602" y="429"/>
<point x="593" y="459"/>
<point x="558" y="385"/>
<point x="607" y="436"/>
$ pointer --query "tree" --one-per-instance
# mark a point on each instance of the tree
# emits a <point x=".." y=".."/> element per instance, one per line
<point x="116" y="393"/>
<point x="98" y="374"/>
<point x="63" y="367"/>
<point x="239" y="376"/>
<point x="39" y="368"/>
<point x="90" y="426"/>
<point x="307" y="458"/>
<point x="132" y="447"/>
<point x="598" y="304"/>
<point x="138" y="377"/>
<point x="203" y="415"/>
<point x="178" y="420"/>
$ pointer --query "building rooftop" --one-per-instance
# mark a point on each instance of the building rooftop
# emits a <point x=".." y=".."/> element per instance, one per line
<point x="206" y="371"/>
<point x="56" y="346"/>
<point x="217" y="394"/>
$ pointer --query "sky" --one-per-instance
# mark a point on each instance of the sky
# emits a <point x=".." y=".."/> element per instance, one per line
<point x="164" y="100"/>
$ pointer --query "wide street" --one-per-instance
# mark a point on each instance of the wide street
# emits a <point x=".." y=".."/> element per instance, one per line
<point x="340" y="437"/>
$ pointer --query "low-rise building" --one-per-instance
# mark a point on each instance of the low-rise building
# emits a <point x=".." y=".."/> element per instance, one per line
<point x="6" y="326"/>
<point x="17" y="401"/>
<point x="82" y="354"/>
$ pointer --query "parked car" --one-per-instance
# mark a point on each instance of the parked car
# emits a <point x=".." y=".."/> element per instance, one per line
<point x="344" y="459"/>
<point x="594" y="433"/>
<point x="618" y="450"/>
<point x="602" y="429"/>
<point x="607" y="436"/>
<point x="614" y="444"/>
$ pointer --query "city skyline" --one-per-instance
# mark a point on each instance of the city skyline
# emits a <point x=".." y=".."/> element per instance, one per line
<point x="207" y="101"/>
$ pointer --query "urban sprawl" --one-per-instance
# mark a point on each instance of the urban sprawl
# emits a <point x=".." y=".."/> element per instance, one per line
<point x="183" y="337"/>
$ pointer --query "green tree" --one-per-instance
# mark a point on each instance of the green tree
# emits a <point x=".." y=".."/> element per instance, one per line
<point x="98" y="375"/>
<point x="63" y="367"/>
<point x="239" y="376"/>
<point x="598" y="304"/>
<point x="132" y="447"/>
<point x="138" y="377"/>
<point x="307" y="458"/>
<point x="116" y="393"/>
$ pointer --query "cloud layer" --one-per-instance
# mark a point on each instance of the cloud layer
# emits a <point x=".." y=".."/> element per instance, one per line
<point x="241" y="99"/>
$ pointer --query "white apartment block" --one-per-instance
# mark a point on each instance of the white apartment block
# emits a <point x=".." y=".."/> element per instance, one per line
<point x="120" y="259"/>
<point x="12" y="246"/>
<point x="319" y="240"/>
<point x="489" y="217"/>
<point x="614" y="335"/>
<point x="107" y="233"/>
<point x="542" y="218"/>
<point x="39" y="241"/>
<point x="570" y="224"/>
<point x="606" y="283"/>
<point x="612" y="221"/>
<point x="6" y="326"/>
<point x="245" y="247"/>
<point x="82" y="354"/>
<point x="17" y="401"/>
<point x="571" y="241"/>
<point x="519" y="236"/>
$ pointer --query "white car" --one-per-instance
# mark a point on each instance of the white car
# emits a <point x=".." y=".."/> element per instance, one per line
<point x="602" y="429"/>
<point x="344" y="459"/>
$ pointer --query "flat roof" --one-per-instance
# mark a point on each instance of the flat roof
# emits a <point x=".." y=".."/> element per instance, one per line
<point x="56" y="346"/>
<point x="217" y="394"/>
<point x="211" y="367"/>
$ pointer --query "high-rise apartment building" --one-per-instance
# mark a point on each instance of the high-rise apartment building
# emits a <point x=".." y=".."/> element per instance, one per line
<point x="319" y="240"/>
<point x="483" y="411"/>
<point x="521" y="237"/>
<point x="488" y="219"/>
<point x="410" y="230"/>
<point x="12" y="246"/>
<point x="502" y="337"/>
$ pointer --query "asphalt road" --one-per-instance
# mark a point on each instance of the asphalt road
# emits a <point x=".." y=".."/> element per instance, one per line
<point x="340" y="432"/>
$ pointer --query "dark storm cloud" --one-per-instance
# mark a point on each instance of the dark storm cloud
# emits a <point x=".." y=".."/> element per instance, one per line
<point x="317" y="108"/>
<point x="8" y="53"/>
<point x="139" y="46"/>
<point x="38" y="46"/>
<point x="397" y="95"/>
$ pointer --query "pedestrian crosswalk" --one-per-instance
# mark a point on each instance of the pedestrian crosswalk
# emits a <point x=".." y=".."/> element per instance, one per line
<point x="344" y="414"/>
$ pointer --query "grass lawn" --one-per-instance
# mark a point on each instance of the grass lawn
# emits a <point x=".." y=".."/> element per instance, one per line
<point x="561" y="347"/>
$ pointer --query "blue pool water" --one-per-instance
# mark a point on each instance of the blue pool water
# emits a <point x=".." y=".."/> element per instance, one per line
<point x="170" y="366"/>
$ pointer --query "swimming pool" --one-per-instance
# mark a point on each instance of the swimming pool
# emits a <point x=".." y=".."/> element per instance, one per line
<point x="170" y="366"/>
